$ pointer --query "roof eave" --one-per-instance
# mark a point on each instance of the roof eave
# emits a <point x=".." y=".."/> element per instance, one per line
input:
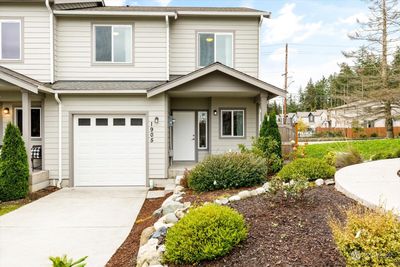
<point x="225" y="13"/>
<point x="110" y="13"/>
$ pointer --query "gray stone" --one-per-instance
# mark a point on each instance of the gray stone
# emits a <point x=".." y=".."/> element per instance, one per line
<point x="161" y="248"/>
<point x="178" y="199"/>
<point x="266" y="186"/>
<point x="319" y="182"/>
<point x="253" y="193"/>
<point x="244" y="194"/>
<point x="178" y="189"/>
<point x="178" y="179"/>
<point x="171" y="206"/>
<point x="170" y="218"/>
<point x="187" y="205"/>
<point x="162" y="231"/>
<point x="329" y="181"/>
<point x="146" y="234"/>
<point x="148" y="252"/>
<point x="234" y="198"/>
<point x="179" y="213"/>
<point x="159" y="224"/>
<point x="222" y="201"/>
<point x="157" y="212"/>
<point x="260" y="190"/>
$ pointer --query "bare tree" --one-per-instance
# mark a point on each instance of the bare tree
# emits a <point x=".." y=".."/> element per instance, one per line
<point x="376" y="81"/>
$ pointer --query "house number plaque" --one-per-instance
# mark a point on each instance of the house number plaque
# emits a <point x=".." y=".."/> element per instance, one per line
<point x="151" y="132"/>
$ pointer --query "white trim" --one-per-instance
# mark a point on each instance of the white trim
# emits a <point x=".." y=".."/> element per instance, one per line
<point x="72" y="91"/>
<point x="215" y="46"/>
<point x="112" y="43"/>
<point x="198" y="130"/>
<point x="225" y="13"/>
<point x="51" y="20"/>
<point x="232" y="123"/>
<point x="20" y="39"/>
<point x="167" y="47"/>
<point x="40" y="116"/>
<point x="113" y="13"/>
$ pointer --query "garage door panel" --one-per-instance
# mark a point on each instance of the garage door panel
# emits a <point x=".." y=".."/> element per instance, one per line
<point x="109" y="155"/>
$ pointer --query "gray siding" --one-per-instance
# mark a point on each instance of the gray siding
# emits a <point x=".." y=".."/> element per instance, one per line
<point x="36" y="39"/>
<point x="74" y="51"/>
<point x="155" y="107"/>
<point x="183" y="42"/>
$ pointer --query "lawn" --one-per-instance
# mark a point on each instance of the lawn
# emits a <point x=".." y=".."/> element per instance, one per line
<point x="8" y="207"/>
<point x="366" y="148"/>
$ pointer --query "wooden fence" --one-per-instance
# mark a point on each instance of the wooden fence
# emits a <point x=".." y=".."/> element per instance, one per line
<point x="362" y="132"/>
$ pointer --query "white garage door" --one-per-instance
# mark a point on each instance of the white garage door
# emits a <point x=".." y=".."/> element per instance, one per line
<point x="109" y="150"/>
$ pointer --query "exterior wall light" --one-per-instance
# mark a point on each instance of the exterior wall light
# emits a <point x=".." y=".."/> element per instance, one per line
<point x="215" y="112"/>
<point x="6" y="111"/>
<point x="156" y="120"/>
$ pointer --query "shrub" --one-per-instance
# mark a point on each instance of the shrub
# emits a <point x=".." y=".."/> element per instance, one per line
<point x="230" y="170"/>
<point x="289" y="191"/>
<point x="368" y="238"/>
<point x="184" y="180"/>
<point x="311" y="168"/>
<point x="347" y="158"/>
<point x="65" y="262"/>
<point x="330" y="158"/>
<point x="273" y="131"/>
<point x="374" y="135"/>
<point x="205" y="233"/>
<point x="387" y="155"/>
<point x="14" y="168"/>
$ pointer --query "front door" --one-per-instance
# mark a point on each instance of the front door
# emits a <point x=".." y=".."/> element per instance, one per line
<point x="184" y="136"/>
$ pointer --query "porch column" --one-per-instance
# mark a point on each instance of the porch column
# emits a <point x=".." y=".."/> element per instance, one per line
<point x="26" y="124"/>
<point x="263" y="105"/>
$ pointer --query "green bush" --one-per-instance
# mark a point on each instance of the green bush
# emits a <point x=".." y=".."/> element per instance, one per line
<point x="205" y="233"/>
<point x="368" y="238"/>
<point x="374" y="135"/>
<point x="65" y="262"/>
<point x="310" y="168"/>
<point x="330" y="158"/>
<point x="273" y="131"/>
<point x="230" y="170"/>
<point x="386" y="155"/>
<point x="14" y="167"/>
<point x="289" y="191"/>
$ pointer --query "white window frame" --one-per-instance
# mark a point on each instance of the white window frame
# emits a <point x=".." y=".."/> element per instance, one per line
<point x="215" y="46"/>
<point x="198" y="131"/>
<point x="20" y="39"/>
<point x="112" y="43"/>
<point x="232" y="123"/>
<point x="41" y="121"/>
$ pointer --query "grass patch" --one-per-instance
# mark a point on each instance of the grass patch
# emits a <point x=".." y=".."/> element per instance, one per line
<point x="6" y="208"/>
<point x="366" y="148"/>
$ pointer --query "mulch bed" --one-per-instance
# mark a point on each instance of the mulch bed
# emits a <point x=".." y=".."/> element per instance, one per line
<point x="288" y="234"/>
<point x="31" y="196"/>
<point x="198" y="198"/>
<point x="126" y="254"/>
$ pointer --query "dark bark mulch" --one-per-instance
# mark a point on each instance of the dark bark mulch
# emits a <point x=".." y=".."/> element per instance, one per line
<point x="126" y="254"/>
<point x="200" y="197"/>
<point x="32" y="196"/>
<point x="288" y="234"/>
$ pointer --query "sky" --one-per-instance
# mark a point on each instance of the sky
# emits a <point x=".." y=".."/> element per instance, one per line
<point x="315" y="30"/>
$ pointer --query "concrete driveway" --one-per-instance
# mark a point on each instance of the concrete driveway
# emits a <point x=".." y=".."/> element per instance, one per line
<point x="74" y="221"/>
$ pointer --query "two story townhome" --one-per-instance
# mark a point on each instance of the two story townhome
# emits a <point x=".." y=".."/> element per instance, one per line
<point x="120" y="96"/>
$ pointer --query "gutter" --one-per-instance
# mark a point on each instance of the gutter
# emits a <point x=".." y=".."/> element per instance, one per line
<point x="112" y="13"/>
<point x="59" y="139"/>
<point x="51" y="19"/>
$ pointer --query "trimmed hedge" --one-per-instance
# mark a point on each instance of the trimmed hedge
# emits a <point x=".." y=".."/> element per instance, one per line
<point x="14" y="167"/>
<point x="311" y="168"/>
<point x="205" y="233"/>
<point x="229" y="170"/>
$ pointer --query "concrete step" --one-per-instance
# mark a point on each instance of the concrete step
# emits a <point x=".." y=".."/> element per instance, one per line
<point x="38" y="180"/>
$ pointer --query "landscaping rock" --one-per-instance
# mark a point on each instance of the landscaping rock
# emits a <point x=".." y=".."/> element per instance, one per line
<point x="161" y="248"/>
<point x="329" y="181"/>
<point x="159" y="224"/>
<point x="222" y="201"/>
<point x="179" y="213"/>
<point x="146" y="234"/>
<point x="178" y="198"/>
<point x="234" y="198"/>
<point x="170" y="218"/>
<point x="187" y="205"/>
<point x="266" y="186"/>
<point x="162" y="231"/>
<point x="178" y="189"/>
<point x="171" y="206"/>
<point x="178" y="179"/>
<point x="319" y="182"/>
<point x="253" y="193"/>
<point x="148" y="252"/>
<point x="260" y="190"/>
<point x="244" y="194"/>
<point x="157" y="212"/>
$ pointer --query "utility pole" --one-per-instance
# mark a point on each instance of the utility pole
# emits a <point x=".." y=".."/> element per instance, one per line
<point x="286" y="83"/>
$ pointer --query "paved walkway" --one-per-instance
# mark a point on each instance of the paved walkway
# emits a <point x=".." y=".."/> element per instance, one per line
<point x="74" y="221"/>
<point x="373" y="183"/>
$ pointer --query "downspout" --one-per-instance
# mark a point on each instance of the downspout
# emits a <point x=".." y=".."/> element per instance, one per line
<point x="59" y="140"/>
<point x="51" y="19"/>
<point x="167" y="47"/>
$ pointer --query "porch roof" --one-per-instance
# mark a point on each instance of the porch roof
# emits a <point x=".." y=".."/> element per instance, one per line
<point x="218" y="67"/>
<point x="22" y="81"/>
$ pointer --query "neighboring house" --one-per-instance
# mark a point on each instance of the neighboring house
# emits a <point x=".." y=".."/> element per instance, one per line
<point x="118" y="96"/>
<point x="346" y="116"/>
<point x="318" y="118"/>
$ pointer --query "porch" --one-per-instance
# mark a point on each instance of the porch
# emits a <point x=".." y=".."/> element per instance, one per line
<point x="21" y="104"/>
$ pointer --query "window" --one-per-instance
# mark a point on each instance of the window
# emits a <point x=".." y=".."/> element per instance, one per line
<point x="202" y="128"/>
<point x="119" y="122"/>
<point x="215" y="47"/>
<point x="10" y="39"/>
<point x="35" y="121"/>
<point x="232" y="123"/>
<point x="136" y="122"/>
<point x="310" y="118"/>
<point x="101" y="122"/>
<point x="84" y="122"/>
<point x="113" y="43"/>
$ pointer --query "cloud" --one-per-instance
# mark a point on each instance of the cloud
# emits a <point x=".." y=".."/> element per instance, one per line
<point x="247" y="3"/>
<point x="115" y="2"/>
<point x="289" y="27"/>
<point x="163" y="2"/>
<point x="351" y="20"/>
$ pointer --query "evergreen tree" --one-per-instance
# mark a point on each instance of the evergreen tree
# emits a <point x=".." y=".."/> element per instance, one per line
<point x="14" y="167"/>
<point x="264" y="126"/>
<point x="273" y="131"/>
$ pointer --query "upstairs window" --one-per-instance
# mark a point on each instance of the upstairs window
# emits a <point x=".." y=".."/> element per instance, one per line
<point x="113" y="43"/>
<point x="215" y="47"/>
<point x="10" y="40"/>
